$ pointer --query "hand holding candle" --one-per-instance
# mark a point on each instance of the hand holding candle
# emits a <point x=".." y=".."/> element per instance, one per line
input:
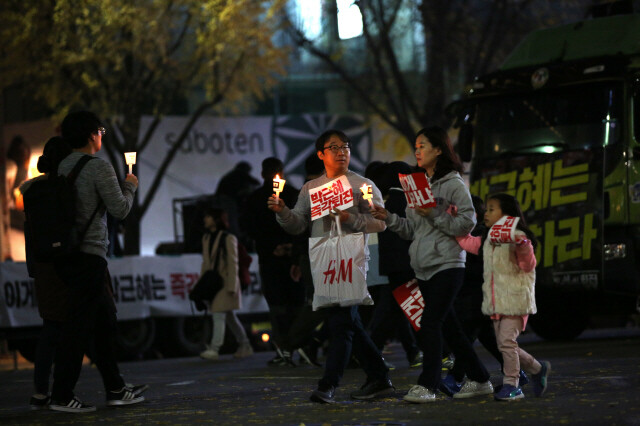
<point x="278" y="186"/>
<point x="130" y="159"/>
<point x="367" y="193"/>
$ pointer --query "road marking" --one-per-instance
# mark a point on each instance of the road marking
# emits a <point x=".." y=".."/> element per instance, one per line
<point x="188" y="382"/>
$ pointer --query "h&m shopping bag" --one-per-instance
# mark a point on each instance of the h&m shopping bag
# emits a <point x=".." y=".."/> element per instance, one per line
<point x="411" y="302"/>
<point x="338" y="266"/>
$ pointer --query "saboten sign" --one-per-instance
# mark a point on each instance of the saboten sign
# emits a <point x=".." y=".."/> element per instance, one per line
<point x="417" y="190"/>
<point x="335" y="194"/>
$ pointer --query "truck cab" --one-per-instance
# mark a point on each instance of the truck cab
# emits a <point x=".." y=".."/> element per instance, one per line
<point x="558" y="126"/>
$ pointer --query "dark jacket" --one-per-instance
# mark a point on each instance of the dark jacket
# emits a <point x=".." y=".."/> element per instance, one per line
<point x="393" y="250"/>
<point x="260" y="222"/>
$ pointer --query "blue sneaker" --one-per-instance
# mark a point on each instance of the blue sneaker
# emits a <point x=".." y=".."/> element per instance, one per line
<point x="523" y="379"/>
<point x="449" y="386"/>
<point x="509" y="393"/>
<point x="539" y="381"/>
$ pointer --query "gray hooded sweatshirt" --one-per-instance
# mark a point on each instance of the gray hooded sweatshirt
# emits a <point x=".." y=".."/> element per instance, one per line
<point x="434" y="247"/>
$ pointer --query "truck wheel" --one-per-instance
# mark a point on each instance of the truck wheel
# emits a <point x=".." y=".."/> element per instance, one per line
<point x="185" y="336"/>
<point x="134" y="338"/>
<point x="557" y="320"/>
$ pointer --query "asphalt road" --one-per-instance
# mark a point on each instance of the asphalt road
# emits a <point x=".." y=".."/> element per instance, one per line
<point x="594" y="380"/>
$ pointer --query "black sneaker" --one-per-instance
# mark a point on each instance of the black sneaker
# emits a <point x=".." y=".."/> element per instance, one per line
<point x="39" y="401"/>
<point x="124" y="396"/>
<point x="324" y="395"/>
<point x="539" y="381"/>
<point x="137" y="390"/>
<point x="73" y="406"/>
<point x="417" y="360"/>
<point x="276" y="360"/>
<point x="374" y="388"/>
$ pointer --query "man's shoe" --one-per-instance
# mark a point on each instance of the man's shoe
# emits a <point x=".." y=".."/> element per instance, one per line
<point x="471" y="389"/>
<point x="276" y="360"/>
<point x="508" y="393"/>
<point x="539" y="381"/>
<point x="73" y="406"/>
<point x="324" y="395"/>
<point x="416" y="361"/>
<point x="124" y="396"/>
<point x="39" y="401"/>
<point x="374" y="388"/>
<point x="137" y="390"/>
<point x="419" y="395"/>
<point x="388" y="365"/>
<point x="447" y="362"/>
<point x="449" y="385"/>
<point x="244" y="350"/>
<point x="210" y="354"/>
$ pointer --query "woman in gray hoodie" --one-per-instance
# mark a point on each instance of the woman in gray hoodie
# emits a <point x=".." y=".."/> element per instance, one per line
<point x="438" y="262"/>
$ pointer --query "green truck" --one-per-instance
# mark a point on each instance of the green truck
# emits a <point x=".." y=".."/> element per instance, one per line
<point x="558" y="126"/>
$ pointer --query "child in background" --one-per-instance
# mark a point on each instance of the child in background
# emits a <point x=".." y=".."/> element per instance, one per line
<point x="509" y="294"/>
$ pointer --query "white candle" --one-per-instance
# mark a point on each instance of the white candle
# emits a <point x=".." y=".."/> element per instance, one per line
<point x="367" y="193"/>
<point x="130" y="159"/>
<point x="278" y="185"/>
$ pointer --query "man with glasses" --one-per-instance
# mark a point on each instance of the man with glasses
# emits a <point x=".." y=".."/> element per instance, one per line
<point x="345" y="326"/>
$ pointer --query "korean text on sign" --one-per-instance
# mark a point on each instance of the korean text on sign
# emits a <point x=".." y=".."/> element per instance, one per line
<point x="335" y="194"/>
<point x="417" y="190"/>
<point x="504" y="230"/>
<point x="411" y="302"/>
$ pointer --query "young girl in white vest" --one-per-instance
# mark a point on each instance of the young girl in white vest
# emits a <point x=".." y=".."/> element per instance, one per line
<point x="509" y="294"/>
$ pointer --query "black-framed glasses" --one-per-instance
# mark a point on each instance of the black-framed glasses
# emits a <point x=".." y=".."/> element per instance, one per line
<point x="102" y="131"/>
<point x="337" y="148"/>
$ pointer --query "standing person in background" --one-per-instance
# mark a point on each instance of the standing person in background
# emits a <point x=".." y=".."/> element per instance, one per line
<point x="51" y="293"/>
<point x="283" y="296"/>
<point x="438" y="262"/>
<point x="509" y="294"/>
<point x="234" y="189"/>
<point x="345" y="325"/>
<point x="91" y="308"/>
<point x="220" y="251"/>
<point x="388" y="318"/>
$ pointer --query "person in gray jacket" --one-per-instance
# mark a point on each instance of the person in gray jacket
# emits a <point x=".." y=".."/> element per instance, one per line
<point x="344" y="323"/>
<point x="91" y="308"/>
<point x="438" y="262"/>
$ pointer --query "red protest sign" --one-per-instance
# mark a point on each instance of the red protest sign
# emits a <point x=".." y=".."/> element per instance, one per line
<point x="411" y="302"/>
<point x="417" y="190"/>
<point x="335" y="194"/>
<point x="504" y="230"/>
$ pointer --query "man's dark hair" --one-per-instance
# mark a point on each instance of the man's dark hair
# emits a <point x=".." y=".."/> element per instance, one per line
<point x="323" y="138"/>
<point x="77" y="128"/>
<point x="270" y="167"/>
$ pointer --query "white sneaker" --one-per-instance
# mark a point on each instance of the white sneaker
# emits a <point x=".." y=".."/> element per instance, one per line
<point x="471" y="389"/>
<point x="210" y="354"/>
<point x="244" y="350"/>
<point x="419" y="395"/>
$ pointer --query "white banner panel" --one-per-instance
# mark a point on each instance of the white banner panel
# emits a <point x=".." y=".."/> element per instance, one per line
<point x="143" y="287"/>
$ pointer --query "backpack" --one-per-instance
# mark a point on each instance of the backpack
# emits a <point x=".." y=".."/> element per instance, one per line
<point x="50" y="211"/>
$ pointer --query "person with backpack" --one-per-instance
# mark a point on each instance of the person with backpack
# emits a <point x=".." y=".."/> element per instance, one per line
<point x="91" y="310"/>
<point x="220" y="254"/>
<point x="284" y="297"/>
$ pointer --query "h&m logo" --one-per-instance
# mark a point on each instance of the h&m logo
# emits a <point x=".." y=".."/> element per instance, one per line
<point x="344" y="271"/>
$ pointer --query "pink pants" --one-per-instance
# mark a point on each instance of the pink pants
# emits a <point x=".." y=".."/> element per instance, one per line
<point x="507" y="332"/>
